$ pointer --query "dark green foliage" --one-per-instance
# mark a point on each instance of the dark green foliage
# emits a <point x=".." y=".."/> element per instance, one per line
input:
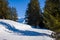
<point x="3" y="8"/>
<point x="6" y="12"/>
<point x="13" y="14"/>
<point x="33" y="14"/>
<point x="52" y="14"/>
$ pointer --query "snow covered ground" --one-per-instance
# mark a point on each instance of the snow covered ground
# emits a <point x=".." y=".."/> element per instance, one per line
<point x="10" y="30"/>
<point x="21" y="20"/>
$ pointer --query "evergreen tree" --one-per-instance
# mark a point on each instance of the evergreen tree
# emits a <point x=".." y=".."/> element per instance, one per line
<point x="9" y="16"/>
<point x="52" y="14"/>
<point x="7" y="12"/>
<point x="33" y="14"/>
<point x="3" y="8"/>
<point x="13" y="14"/>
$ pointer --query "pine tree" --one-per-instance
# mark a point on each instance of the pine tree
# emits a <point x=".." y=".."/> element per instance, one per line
<point x="33" y="14"/>
<point x="9" y="16"/>
<point x="13" y="14"/>
<point x="52" y="14"/>
<point x="7" y="12"/>
<point x="3" y="8"/>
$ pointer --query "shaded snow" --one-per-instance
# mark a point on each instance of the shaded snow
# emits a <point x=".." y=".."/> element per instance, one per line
<point x="21" y="20"/>
<point x="10" y="30"/>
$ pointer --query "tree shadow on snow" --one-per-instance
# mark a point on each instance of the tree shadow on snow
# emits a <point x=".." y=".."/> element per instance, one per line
<point x="24" y="33"/>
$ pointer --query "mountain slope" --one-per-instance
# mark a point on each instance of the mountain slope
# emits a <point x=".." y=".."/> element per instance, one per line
<point x="10" y="30"/>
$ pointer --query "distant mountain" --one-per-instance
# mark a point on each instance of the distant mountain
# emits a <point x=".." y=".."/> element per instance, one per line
<point x="21" y="20"/>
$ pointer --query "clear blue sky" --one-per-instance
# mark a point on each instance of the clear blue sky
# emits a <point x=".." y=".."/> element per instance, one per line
<point x="21" y="6"/>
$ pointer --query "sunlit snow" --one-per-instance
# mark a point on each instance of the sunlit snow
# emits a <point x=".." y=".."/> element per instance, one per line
<point x="11" y="30"/>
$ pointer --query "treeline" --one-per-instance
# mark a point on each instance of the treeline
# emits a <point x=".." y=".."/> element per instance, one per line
<point x="49" y="18"/>
<point x="7" y="12"/>
<point x="52" y="15"/>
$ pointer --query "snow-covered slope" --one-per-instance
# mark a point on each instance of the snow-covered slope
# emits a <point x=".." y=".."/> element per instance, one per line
<point x="21" y="20"/>
<point x="10" y="30"/>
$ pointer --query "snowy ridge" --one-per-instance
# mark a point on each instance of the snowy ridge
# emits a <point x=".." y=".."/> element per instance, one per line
<point x="11" y="30"/>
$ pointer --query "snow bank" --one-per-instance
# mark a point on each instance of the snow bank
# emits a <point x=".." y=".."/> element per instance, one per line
<point x="17" y="25"/>
<point x="20" y="31"/>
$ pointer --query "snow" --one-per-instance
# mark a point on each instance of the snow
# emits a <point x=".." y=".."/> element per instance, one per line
<point x="11" y="30"/>
<point x="21" y="20"/>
